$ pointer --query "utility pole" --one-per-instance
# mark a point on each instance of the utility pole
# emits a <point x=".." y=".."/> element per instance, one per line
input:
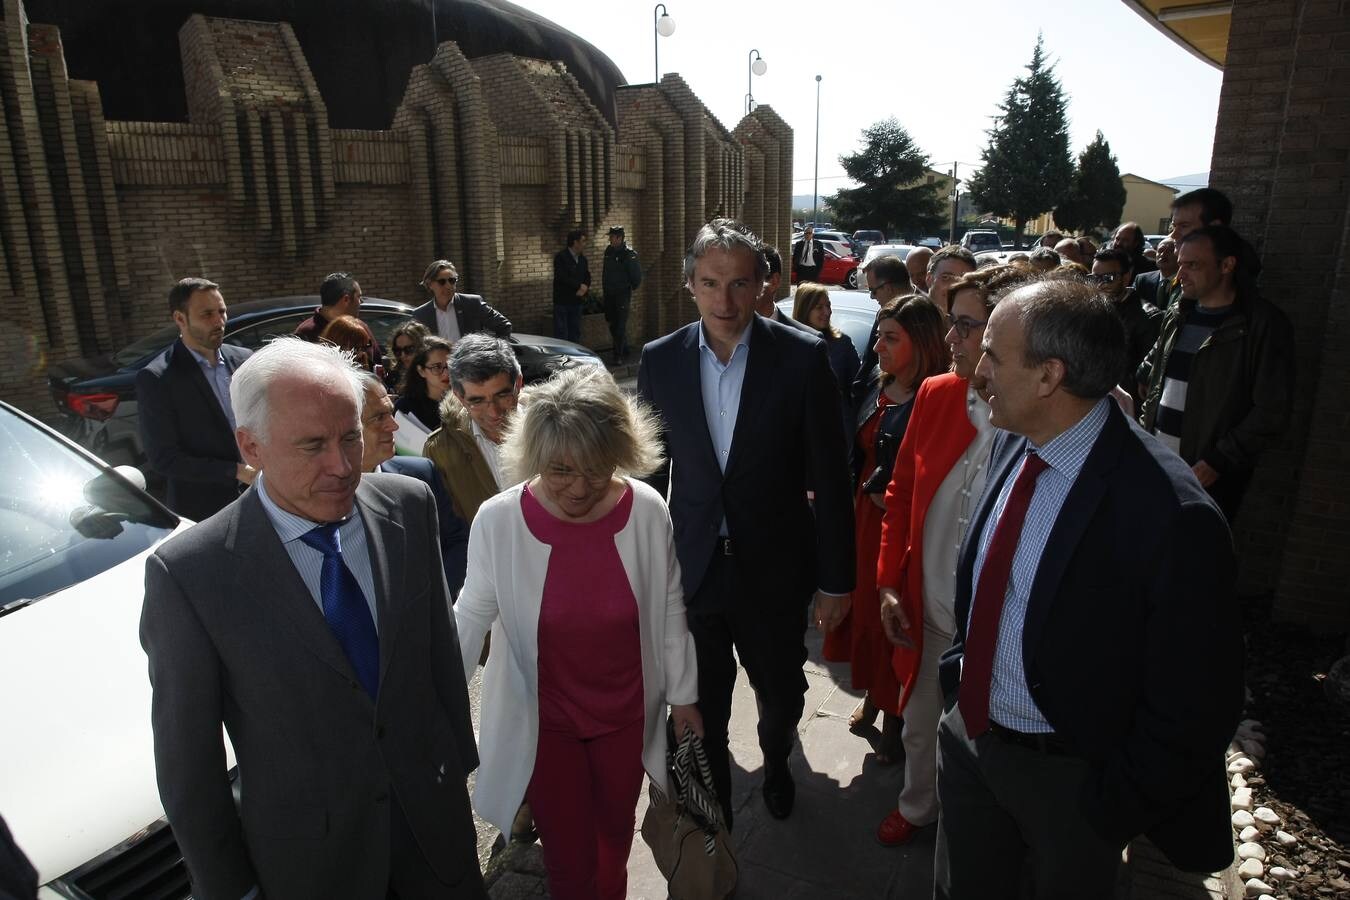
<point x="956" y="200"/>
<point x="815" y="181"/>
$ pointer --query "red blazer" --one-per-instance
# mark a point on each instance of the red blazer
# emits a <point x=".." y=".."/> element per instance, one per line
<point x="939" y="432"/>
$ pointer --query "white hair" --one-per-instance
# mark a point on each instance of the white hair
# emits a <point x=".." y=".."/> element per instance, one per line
<point x="288" y="355"/>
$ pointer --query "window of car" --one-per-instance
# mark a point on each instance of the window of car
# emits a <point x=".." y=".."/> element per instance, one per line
<point x="254" y="336"/>
<point x="146" y="347"/>
<point x="63" y="518"/>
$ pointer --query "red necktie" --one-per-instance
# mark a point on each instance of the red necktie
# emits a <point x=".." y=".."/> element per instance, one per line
<point x="982" y="635"/>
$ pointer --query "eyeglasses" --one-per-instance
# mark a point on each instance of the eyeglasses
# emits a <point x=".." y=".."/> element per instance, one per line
<point x="443" y="282"/>
<point x="1106" y="278"/>
<point x="561" y="477"/>
<point x="872" y="292"/>
<point x="438" y="368"/>
<point x="405" y="349"/>
<point x="964" y="324"/>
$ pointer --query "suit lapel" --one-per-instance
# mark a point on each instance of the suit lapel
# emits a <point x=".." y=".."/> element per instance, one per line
<point x="756" y="389"/>
<point x="387" y="546"/>
<point x="191" y="369"/>
<point x="457" y="305"/>
<point x="688" y="395"/>
<point x="270" y="579"/>
<point x="1078" y="509"/>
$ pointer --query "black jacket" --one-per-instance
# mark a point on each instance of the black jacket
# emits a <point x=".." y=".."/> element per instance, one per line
<point x="1137" y="667"/>
<point x="817" y="251"/>
<point x="620" y="275"/>
<point x="1141" y="331"/>
<point x="786" y="442"/>
<point x="186" y="436"/>
<point x="568" y="275"/>
<point x="1152" y="288"/>
<point x="471" y="314"/>
<point x="454" y="531"/>
<point x="894" y="421"/>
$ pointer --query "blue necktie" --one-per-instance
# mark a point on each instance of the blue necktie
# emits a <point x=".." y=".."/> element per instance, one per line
<point x="345" y="608"/>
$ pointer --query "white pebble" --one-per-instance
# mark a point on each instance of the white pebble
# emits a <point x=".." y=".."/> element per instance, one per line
<point x="1256" y="887"/>
<point x="1251" y="868"/>
<point x="1266" y="897"/>
<point x="1251" y="850"/>
<point x="1242" y="798"/>
<point x="1238" y="781"/>
<point x="1280" y="873"/>
<point x="1267" y="817"/>
<point x="1285" y="838"/>
<point x="1242" y="818"/>
<point x="1250" y="833"/>
<point x="1241" y="766"/>
<point x="1234" y="751"/>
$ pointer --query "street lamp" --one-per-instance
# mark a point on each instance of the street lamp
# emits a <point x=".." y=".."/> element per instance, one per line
<point x="815" y="182"/>
<point x="755" y="65"/>
<point x="664" y="26"/>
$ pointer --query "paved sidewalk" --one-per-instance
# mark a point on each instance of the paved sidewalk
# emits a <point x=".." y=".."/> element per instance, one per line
<point x="826" y="849"/>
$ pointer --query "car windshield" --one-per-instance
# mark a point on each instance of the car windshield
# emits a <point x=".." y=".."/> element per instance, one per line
<point x="63" y="519"/>
<point x="146" y="346"/>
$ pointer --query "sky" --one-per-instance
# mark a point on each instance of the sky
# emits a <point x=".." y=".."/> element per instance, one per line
<point x="942" y="76"/>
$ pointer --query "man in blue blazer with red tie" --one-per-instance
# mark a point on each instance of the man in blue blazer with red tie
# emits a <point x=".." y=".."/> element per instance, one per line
<point x="1096" y="674"/>
<point x="751" y="413"/>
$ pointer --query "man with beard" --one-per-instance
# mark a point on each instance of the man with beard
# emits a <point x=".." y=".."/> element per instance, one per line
<point x="183" y="403"/>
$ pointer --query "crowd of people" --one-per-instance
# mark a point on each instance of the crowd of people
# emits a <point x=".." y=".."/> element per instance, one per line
<point x="1008" y="514"/>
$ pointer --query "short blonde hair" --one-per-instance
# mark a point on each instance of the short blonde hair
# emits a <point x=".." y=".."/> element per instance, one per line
<point x="581" y="412"/>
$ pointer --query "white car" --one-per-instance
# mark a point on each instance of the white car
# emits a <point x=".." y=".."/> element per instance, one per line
<point x="900" y="251"/>
<point x="77" y="770"/>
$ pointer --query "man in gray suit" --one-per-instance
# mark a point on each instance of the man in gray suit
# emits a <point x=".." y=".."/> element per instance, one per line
<point x="311" y="618"/>
<point x="449" y="314"/>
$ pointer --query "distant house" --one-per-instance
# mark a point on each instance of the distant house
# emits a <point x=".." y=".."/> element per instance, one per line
<point x="1147" y="202"/>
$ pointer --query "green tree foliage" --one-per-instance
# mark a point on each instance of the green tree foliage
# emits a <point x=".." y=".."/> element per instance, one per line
<point x="1096" y="195"/>
<point x="893" y="194"/>
<point x="1027" y="166"/>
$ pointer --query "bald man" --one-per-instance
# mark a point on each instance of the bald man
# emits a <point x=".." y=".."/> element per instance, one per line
<point x="917" y="264"/>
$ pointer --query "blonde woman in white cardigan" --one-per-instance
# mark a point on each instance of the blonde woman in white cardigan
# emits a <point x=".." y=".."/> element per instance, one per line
<point x="574" y="571"/>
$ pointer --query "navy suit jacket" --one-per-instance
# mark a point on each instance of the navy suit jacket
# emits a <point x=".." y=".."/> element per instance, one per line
<point x="184" y="432"/>
<point x="1131" y="644"/>
<point x="454" y="530"/>
<point x="787" y="441"/>
<point x="472" y="314"/>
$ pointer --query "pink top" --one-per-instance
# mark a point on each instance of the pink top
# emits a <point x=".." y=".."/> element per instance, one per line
<point x="590" y="656"/>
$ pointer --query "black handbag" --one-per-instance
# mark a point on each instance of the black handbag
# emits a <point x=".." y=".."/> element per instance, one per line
<point x="686" y="834"/>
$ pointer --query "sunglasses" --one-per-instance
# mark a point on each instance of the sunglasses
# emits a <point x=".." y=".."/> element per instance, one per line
<point x="405" y="350"/>
<point x="443" y="282"/>
<point x="1107" y="278"/>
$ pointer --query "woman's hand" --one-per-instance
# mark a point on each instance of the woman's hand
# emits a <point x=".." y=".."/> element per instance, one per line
<point x="894" y="621"/>
<point x="686" y="717"/>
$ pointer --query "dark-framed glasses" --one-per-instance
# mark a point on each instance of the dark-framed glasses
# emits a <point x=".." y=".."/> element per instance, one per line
<point x="446" y="282"/>
<point x="438" y="368"/>
<point x="964" y="324"/>
<point x="1105" y="278"/>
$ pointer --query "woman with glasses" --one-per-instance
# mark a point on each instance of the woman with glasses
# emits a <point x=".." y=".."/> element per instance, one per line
<point x="425" y="382"/>
<point x="404" y="343"/>
<point x="811" y="306"/>
<point x="909" y="349"/>
<point x="937" y="478"/>
<point x="574" y="571"/>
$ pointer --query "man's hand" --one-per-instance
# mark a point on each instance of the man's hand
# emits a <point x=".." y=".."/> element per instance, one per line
<point x="830" y="611"/>
<point x="583" y="290"/>
<point x="1205" y="472"/>
<point x="245" y="473"/>
<point x="686" y="717"/>
<point x="894" y="620"/>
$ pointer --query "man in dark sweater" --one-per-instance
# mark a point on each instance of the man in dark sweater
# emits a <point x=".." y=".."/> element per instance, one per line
<point x="620" y="276"/>
<point x="571" y="284"/>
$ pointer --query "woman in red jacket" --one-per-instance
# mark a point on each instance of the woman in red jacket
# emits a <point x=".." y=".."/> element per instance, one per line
<point x="937" y="478"/>
<point x="909" y="349"/>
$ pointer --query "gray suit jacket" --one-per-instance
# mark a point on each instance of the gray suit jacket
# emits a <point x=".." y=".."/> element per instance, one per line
<point x="471" y="313"/>
<point x="234" y="637"/>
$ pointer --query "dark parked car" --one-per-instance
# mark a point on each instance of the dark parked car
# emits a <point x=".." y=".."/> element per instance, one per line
<point x="96" y="396"/>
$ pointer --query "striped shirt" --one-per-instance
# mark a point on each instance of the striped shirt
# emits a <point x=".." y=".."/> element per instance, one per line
<point x="351" y="538"/>
<point x="1010" y="702"/>
<point x="1199" y="325"/>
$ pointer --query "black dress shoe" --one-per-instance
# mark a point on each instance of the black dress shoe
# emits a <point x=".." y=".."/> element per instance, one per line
<point x="780" y="792"/>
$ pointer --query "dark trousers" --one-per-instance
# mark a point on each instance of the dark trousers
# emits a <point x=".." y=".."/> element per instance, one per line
<point x="412" y="878"/>
<point x="1006" y="807"/>
<point x="567" y="321"/>
<point x="767" y="636"/>
<point x="808" y="273"/>
<point x="616" y="314"/>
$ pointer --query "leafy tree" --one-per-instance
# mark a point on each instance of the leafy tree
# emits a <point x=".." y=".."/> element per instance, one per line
<point x="1027" y="167"/>
<point x="1096" y="195"/>
<point x="892" y="194"/>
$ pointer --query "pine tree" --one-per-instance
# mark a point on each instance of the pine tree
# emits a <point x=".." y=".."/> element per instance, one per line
<point x="1096" y="195"/>
<point x="1027" y="166"/>
<point x="892" y="194"/>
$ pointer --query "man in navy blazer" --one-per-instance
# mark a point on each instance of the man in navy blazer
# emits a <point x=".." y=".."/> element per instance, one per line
<point x="377" y="432"/>
<point x="183" y="405"/>
<point x="751" y="414"/>
<point x="1096" y="674"/>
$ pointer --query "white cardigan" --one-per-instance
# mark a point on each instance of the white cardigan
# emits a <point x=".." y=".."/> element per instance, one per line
<point x="504" y="590"/>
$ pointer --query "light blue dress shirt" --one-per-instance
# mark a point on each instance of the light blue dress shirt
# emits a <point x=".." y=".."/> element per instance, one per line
<point x="218" y="376"/>
<point x="1010" y="702"/>
<point x="721" y="384"/>
<point x="351" y="538"/>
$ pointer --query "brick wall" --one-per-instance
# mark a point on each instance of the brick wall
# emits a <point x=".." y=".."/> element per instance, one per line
<point x="1282" y="153"/>
<point x="488" y="162"/>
